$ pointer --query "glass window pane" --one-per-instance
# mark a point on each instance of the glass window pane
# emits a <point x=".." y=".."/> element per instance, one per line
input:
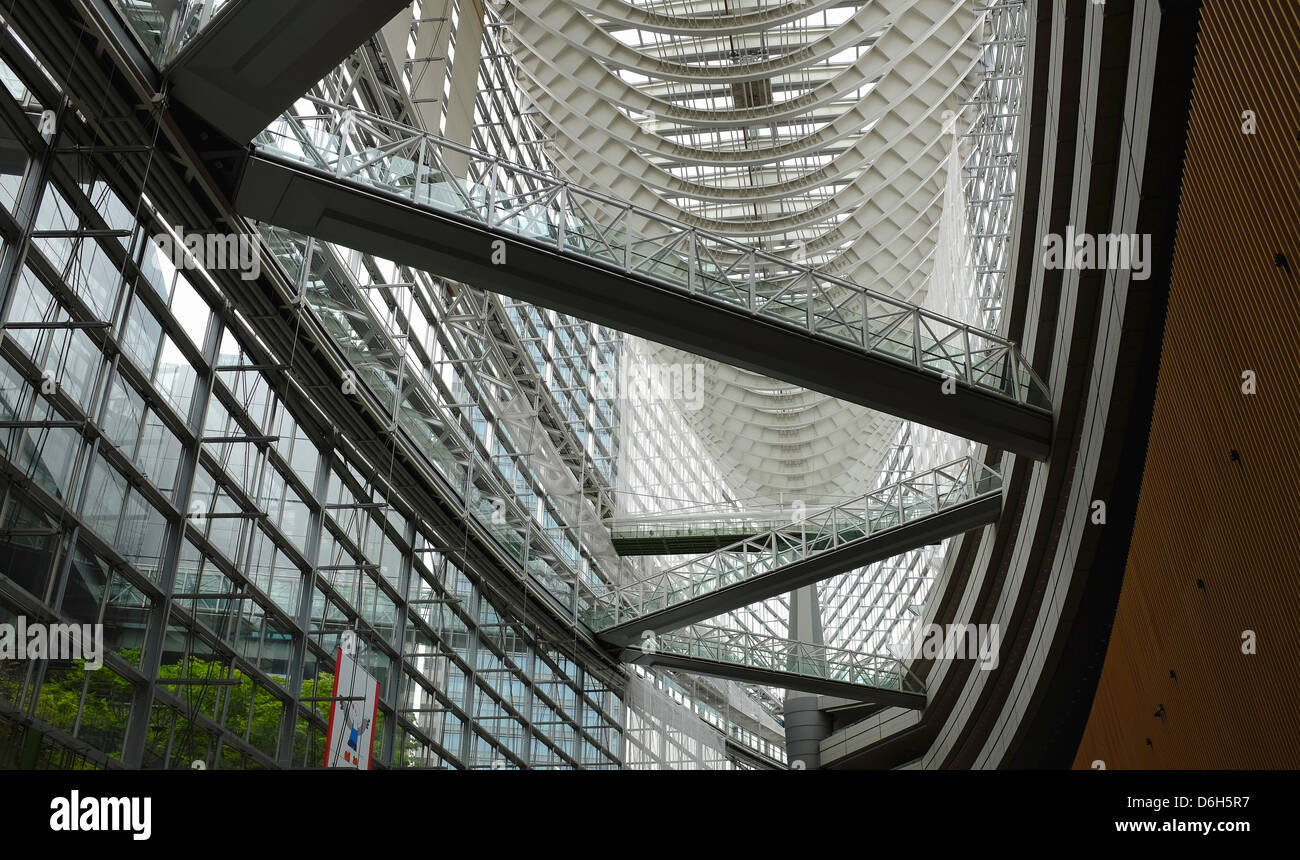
<point x="175" y="378"/>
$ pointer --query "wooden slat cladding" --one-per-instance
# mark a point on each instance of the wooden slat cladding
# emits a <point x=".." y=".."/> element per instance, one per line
<point x="1234" y="525"/>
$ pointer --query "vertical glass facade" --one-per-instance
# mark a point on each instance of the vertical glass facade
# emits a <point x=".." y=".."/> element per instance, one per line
<point x="160" y="480"/>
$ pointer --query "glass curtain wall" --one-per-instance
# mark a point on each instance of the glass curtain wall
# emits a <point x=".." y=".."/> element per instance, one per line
<point x="154" y="479"/>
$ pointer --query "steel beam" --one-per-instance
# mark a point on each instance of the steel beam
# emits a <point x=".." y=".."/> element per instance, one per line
<point x="304" y="200"/>
<point x="980" y="511"/>
<point x="775" y="678"/>
<point x="255" y="58"/>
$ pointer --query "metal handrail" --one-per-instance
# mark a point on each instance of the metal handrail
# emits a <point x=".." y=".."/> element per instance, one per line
<point x="883" y="509"/>
<point x="786" y="655"/>
<point x="414" y="164"/>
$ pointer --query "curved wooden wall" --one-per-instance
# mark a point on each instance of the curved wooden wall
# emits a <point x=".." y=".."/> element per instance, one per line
<point x="1232" y="525"/>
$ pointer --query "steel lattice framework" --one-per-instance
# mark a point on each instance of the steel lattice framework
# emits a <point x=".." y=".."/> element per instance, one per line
<point x="813" y="131"/>
<point x="770" y="158"/>
<point x="881" y="510"/>
<point x="381" y="154"/>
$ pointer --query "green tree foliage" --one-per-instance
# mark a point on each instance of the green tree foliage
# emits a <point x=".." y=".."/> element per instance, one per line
<point x="246" y="709"/>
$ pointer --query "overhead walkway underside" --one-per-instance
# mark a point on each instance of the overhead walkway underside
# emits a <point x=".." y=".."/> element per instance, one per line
<point x="682" y="543"/>
<point x="682" y="538"/>
<point x="776" y="662"/>
<point x="256" y="57"/>
<point x="923" y="509"/>
<point x="386" y="189"/>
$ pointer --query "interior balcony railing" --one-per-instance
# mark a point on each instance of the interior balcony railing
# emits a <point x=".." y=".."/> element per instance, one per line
<point x="920" y="510"/>
<point x="398" y="192"/>
<point x="786" y="663"/>
<point x="696" y="529"/>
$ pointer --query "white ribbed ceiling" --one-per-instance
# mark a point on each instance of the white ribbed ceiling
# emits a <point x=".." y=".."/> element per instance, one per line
<point x="810" y="129"/>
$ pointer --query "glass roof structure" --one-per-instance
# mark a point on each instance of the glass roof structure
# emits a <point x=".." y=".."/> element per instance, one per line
<point x="873" y="140"/>
<point x="462" y="517"/>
